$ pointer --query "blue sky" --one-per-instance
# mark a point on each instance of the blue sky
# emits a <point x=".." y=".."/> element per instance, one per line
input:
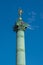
<point x="33" y="14"/>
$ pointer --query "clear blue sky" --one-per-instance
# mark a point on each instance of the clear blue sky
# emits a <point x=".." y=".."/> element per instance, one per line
<point x="33" y="14"/>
